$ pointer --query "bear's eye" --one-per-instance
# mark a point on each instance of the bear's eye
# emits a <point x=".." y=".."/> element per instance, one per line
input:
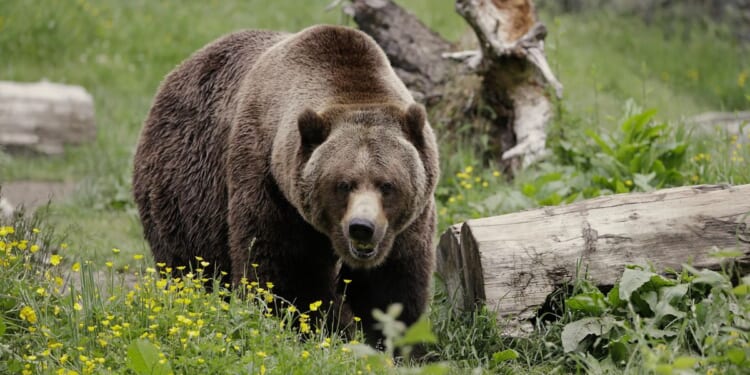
<point x="386" y="188"/>
<point x="344" y="187"/>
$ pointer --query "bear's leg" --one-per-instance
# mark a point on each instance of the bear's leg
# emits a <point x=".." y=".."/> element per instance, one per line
<point x="269" y="242"/>
<point x="404" y="278"/>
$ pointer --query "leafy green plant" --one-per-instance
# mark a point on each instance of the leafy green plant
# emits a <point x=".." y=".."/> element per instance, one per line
<point x="696" y="320"/>
<point x="640" y="154"/>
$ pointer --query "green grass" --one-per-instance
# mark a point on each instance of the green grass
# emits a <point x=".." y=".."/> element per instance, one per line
<point x="120" y="51"/>
<point x="604" y="59"/>
<point x="61" y="314"/>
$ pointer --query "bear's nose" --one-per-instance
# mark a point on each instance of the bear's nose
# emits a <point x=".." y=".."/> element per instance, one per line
<point x="361" y="230"/>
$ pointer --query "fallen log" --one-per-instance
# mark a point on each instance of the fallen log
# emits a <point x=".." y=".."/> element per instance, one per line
<point x="43" y="117"/>
<point x="512" y="263"/>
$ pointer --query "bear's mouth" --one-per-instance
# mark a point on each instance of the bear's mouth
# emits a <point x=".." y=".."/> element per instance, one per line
<point x="362" y="250"/>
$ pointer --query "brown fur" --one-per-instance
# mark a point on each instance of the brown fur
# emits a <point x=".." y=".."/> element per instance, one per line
<point x="245" y="151"/>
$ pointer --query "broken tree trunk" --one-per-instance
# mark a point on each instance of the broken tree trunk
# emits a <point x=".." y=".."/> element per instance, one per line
<point x="510" y="71"/>
<point x="43" y="117"/>
<point x="511" y="263"/>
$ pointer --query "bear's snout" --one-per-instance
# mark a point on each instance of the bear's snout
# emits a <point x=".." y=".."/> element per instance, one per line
<point x="364" y="224"/>
<point x="361" y="230"/>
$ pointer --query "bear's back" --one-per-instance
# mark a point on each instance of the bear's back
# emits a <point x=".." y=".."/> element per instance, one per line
<point x="324" y="65"/>
<point x="178" y="182"/>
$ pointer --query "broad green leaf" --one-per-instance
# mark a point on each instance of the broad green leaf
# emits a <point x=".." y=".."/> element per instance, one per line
<point x="659" y="168"/>
<point x="741" y="290"/>
<point x="620" y="187"/>
<point x="709" y="277"/>
<point x="549" y="177"/>
<point x="419" y="332"/>
<point x="600" y="142"/>
<point x="673" y="293"/>
<point x="736" y="355"/>
<point x="664" y="369"/>
<point x="435" y="369"/>
<point x="618" y="351"/>
<point x="553" y="199"/>
<point x="631" y="281"/>
<point x="684" y="363"/>
<point x="727" y="254"/>
<point x="613" y="297"/>
<point x="505" y="355"/>
<point x="575" y="332"/>
<point x="143" y="359"/>
<point x="659" y="281"/>
<point x="528" y="190"/>
<point x="643" y="181"/>
<point x="591" y="303"/>
<point x="660" y="333"/>
<point x="2" y="326"/>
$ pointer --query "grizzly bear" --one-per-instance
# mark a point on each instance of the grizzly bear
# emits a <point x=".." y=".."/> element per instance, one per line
<point x="299" y="159"/>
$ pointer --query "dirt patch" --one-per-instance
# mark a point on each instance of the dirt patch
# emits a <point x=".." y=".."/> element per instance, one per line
<point x="33" y="194"/>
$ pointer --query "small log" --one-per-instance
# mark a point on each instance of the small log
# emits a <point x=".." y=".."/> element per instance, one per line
<point x="511" y="263"/>
<point x="43" y="117"/>
<point x="734" y="123"/>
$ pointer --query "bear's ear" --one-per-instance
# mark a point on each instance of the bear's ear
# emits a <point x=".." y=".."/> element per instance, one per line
<point x="313" y="130"/>
<point x="415" y="119"/>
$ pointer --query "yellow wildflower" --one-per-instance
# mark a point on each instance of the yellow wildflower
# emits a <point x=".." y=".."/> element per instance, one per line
<point x="315" y="305"/>
<point x="28" y="314"/>
<point x="55" y="259"/>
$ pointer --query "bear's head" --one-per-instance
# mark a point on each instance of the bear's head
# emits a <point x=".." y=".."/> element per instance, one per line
<point x="364" y="174"/>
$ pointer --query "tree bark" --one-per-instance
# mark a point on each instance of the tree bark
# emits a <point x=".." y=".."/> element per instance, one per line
<point x="511" y="70"/>
<point x="43" y="117"/>
<point x="512" y="263"/>
<point x="414" y="50"/>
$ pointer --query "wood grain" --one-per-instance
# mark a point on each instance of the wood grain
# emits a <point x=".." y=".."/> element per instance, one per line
<point x="513" y="262"/>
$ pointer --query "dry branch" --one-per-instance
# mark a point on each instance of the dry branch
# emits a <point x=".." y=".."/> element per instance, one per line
<point x="513" y="262"/>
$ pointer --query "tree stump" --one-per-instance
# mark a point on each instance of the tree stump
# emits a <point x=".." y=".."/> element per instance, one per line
<point x="508" y="72"/>
<point x="43" y="117"/>
<point x="512" y="263"/>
